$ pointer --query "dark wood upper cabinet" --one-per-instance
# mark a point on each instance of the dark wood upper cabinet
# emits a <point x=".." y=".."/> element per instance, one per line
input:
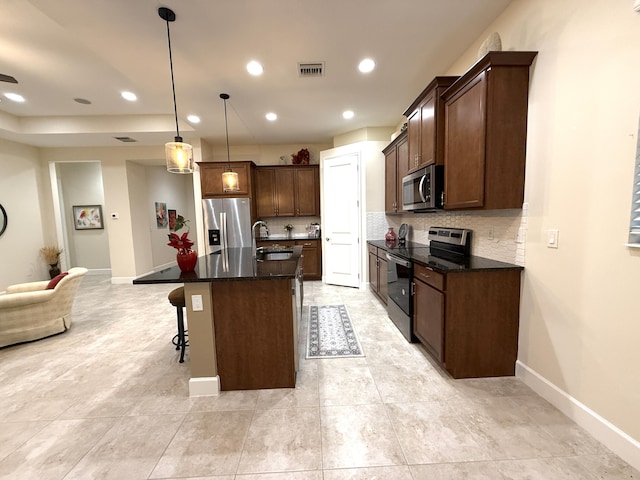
<point x="274" y="192"/>
<point x="211" y="179"/>
<point x="485" y="133"/>
<point x="307" y="191"/>
<point x="287" y="191"/>
<point x="396" y="158"/>
<point x="425" y="133"/>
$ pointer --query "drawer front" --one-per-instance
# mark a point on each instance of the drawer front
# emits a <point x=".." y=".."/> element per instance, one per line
<point x="428" y="276"/>
<point x="308" y="243"/>
<point x="373" y="250"/>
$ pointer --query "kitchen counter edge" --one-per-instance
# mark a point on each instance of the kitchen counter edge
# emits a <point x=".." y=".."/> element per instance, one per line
<point x="475" y="263"/>
<point x="241" y="270"/>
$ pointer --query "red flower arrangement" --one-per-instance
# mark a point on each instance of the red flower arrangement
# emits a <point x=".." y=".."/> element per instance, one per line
<point x="180" y="242"/>
<point x="185" y="257"/>
<point x="300" y="158"/>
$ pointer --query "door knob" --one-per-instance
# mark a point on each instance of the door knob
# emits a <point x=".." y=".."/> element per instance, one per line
<point x="328" y="239"/>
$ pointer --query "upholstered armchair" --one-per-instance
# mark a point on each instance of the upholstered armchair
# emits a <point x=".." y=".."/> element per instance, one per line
<point x="29" y="311"/>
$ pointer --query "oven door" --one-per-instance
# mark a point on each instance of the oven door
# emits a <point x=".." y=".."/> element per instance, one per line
<point x="399" y="304"/>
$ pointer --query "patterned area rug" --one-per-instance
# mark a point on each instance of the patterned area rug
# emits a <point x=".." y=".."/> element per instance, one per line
<point x="331" y="334"/>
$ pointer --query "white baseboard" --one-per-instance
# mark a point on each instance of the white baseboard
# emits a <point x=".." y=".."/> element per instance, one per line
<point x="204" y="386"/>
<point x="122" y="280"/>
<point x="600" y="428"/>
<point x="99" y="271"/>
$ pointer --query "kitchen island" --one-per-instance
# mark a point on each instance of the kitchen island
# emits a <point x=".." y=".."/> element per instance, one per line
<point x="242" y="315"/>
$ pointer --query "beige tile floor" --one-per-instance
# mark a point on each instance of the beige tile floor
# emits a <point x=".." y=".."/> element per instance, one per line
<point x="108" y="400"/>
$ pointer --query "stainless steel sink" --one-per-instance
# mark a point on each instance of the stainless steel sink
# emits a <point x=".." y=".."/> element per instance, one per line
<point x="275" y="256"/>
<point x="270" y="253"/>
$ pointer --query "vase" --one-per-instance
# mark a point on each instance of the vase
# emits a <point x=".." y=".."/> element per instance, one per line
<point x="187" y="260"/>
<point x="54" y="270"/>
<point x="390" y="237"/>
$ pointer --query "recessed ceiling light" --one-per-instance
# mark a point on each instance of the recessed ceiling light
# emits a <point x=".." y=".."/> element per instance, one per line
<point x="254" y="68"/>
<point x="14" y="97"/>
<point x="366" y="65"/>
<point x="130" y="96"/>
<point x="193" y="119"/>
<point x="271" y="116"/>
<point x="347" y="114"/>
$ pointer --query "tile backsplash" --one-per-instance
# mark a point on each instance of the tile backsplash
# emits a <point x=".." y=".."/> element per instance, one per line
<point x="276" y="224"/>
<point x="497" y="234"/>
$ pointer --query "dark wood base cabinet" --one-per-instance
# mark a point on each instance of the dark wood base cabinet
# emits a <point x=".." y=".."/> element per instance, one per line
<point x="255" y="334"/>
<point x="378" y="273"/>
<point x="469" y="321"/>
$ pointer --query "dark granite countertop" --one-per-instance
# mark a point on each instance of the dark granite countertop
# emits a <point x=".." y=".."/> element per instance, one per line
<point x="421" y="254"/>
<point x="238" y="264"/>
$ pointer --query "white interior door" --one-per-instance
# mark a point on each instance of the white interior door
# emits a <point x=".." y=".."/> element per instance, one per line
<point x="340" y="220"/>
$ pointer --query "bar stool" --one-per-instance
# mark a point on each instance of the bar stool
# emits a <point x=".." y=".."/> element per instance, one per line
<point x="176" y="298"/>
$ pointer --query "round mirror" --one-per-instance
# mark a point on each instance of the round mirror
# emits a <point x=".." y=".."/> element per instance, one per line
<point x="3" y="220"/>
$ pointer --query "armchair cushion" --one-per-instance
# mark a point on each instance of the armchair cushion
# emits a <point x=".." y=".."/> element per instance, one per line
<point x="55" y="280"/>
<point x="30" y="311"/>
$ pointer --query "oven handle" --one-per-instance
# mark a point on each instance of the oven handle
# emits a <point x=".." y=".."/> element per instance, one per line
<point x="398" y="260"/>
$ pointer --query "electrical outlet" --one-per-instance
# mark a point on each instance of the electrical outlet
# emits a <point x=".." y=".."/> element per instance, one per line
<point x="490" y="233"/>
<point x="552" y="238"/>
<point x="196" y="303"/>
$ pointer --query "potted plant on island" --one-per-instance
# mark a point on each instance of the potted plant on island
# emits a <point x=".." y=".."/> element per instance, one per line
<point x="186" y="256"/>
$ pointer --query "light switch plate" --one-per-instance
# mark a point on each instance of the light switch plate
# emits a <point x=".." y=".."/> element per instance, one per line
<point x="552" y="238"/>
<point x="196" y="303"/>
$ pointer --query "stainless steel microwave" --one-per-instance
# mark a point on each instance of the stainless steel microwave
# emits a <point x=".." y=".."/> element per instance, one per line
<point x="423" y="190"/>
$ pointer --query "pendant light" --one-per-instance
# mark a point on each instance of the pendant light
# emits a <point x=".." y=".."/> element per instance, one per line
<point x="179" y="155"/>
<point x="229" y="178"/>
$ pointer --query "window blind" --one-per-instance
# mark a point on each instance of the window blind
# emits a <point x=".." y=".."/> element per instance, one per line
<point x="634" y="226"/>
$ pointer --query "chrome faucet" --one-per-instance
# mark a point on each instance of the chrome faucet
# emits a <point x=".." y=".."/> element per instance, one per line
<point x="253" y="236"/>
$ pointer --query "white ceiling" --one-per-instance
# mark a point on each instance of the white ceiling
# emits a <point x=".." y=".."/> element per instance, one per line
<point x="59" y="50"/>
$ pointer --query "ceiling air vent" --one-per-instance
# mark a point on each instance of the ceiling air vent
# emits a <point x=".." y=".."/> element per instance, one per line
<point x="126" y="139"/>
<point x="315" y="69"/>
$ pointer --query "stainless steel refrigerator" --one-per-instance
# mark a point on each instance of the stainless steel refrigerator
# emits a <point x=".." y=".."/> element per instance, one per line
<point x="227" y="223"/>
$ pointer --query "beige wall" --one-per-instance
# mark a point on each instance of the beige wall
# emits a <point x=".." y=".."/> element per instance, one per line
<point x="21" y="178"/>
<point x="579" y="311"/>
<point x="80" y="183"/>
<point x="261" y="154"/>
<point x="128" y="244"/>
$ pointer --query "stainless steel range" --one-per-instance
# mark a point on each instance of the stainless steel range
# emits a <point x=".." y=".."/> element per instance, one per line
<point x="448" y="248"/>
<point x="452" y="244"/>
<point x="399" y="304"/>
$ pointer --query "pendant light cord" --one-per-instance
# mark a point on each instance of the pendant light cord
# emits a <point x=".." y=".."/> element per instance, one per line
<point x="173" y="88"/>
<point x="226" y="129"/>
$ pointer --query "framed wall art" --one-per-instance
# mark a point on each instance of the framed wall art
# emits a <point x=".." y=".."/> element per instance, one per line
<point x="87" y="217"/>
<point x="161" y="215"/>
<point x="172" y="219"/>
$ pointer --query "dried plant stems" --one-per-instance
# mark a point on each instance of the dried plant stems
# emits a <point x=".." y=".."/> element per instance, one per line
<point x="51" y="254"/>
